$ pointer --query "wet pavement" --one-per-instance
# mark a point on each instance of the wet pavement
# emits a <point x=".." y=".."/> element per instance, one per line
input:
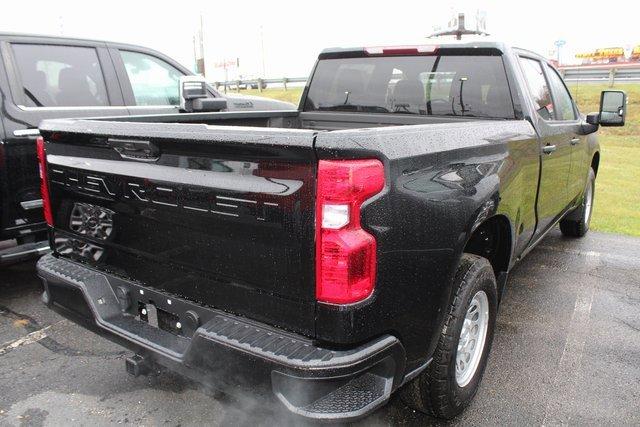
<point x="566" y="351"/>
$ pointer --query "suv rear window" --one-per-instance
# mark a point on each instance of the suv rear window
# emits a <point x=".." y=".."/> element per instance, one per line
<point x="444" y="85"/>
<point x="60" y="76"/>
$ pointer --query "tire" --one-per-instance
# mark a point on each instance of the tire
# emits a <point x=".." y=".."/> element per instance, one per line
<point x="440" y="390"/>
<point x="576" y="224"/>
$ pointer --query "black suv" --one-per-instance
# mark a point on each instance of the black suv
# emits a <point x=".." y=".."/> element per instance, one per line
<point x="50" y="77"/>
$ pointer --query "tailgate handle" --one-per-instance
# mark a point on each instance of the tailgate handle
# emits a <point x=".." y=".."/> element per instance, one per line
<point x="135" y="149"/>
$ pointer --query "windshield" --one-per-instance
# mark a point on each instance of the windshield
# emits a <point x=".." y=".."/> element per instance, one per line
<point x="445" y="85"/>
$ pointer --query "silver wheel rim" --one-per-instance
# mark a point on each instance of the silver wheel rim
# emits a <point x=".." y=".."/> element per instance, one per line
<point x="89" y="220"/>
<point x="472" y="338"/>
<point x="588" y="202"/>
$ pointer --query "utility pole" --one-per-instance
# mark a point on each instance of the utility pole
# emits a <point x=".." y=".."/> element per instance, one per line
<point x="195" y="56"/>
<point x="264" y="73"/>
<point x="199" y="48"/>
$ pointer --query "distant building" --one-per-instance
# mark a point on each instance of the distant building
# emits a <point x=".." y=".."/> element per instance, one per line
<point x="610" y="55"/>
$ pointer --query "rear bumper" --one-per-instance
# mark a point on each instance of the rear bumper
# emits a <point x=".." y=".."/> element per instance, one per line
<point x="228" y="351"/>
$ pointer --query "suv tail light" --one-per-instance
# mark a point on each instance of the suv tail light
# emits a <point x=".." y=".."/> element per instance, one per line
<point x="44" y="188"/>
<point x="345" y="253"/>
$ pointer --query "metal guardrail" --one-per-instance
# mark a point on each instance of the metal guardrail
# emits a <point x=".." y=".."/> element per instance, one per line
<point x="259" y="84"/>
<point x="610" y="73"/>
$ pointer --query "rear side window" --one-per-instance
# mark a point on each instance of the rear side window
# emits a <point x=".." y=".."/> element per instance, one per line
<point x="153" y="81"/>
<point x="538" y="87"/>
<point x="563" y="102"/>
<point x="445" y="85"/>
<point x="60" y="76"/>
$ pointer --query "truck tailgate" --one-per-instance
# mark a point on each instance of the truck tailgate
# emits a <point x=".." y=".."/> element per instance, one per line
<point x="219" y="215"/>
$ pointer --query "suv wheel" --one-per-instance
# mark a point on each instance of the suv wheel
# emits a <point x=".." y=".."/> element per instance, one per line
<point x="452" y="378"/>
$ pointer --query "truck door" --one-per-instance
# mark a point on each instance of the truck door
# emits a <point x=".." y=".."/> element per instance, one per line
<point x="43" y="79"/>
<point x="555" y="145"/>
<point x="567" y="113"/>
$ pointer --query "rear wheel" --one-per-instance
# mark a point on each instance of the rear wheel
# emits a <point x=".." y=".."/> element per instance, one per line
<point x="576" y="224"/>
<point x="88" y="220"/>
<point x="452" y="378"/>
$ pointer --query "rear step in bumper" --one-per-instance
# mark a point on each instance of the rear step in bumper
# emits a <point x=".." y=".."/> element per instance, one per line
<point x="225" y="350"/>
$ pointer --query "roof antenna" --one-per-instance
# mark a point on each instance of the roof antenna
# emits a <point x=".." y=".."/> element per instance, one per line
<point x="459" y="25"/>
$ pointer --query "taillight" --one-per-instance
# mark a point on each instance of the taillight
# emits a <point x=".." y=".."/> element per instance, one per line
<point x="44" y="188"/>
<point x="401" y="50"/>
<point x="345" y="253"/>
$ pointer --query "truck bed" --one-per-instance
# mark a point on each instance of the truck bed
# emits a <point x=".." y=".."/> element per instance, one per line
<point x="320" y="121"/>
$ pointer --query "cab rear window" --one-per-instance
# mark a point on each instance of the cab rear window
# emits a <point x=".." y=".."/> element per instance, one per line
<point x="438" y="85"/>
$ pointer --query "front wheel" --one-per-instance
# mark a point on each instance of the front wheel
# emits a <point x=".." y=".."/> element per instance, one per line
<point x="449" y="383"/>
<point x="576" y="224"/>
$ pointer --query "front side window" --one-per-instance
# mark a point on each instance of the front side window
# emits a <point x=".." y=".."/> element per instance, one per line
<point x="434" y="85"/>
<point x="563" y="102"/>
<point x="60" y="76"/>
<point x="538" y="87"/>
<point x="153" y="81"/>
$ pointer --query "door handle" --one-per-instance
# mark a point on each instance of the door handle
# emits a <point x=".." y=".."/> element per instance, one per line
<point x="548" y="149"/>
<point x="135" y="149"/>
<point x="575" y="141"/>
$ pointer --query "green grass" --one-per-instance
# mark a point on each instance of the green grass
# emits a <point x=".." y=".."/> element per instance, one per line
<point x="617" y="202"/>
<point x="291" y="95"/>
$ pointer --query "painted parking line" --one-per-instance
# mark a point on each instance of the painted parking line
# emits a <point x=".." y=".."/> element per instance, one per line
<point x="562" y="391"/>
<point x="31" y="338"/>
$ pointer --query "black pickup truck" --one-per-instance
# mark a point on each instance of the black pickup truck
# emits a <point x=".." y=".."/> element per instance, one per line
<point x="333" y="254"/>
<point x="43" y="77"/>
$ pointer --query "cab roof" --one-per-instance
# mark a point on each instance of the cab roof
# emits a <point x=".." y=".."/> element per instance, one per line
<point x="470" y="47"/>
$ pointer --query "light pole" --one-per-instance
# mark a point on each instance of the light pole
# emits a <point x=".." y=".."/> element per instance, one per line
<point x="559" y="44"/>
<point x="262" y="51"/>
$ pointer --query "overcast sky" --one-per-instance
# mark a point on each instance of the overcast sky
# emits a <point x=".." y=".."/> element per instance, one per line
<point x="294" y="32"/>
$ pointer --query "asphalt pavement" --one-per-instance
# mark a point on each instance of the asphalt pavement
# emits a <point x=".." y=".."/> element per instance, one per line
<point x="566" y="351"/>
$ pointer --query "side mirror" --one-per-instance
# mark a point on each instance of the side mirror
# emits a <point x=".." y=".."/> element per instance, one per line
<point x="194" y="96"/>
<point x="613" y="108"/>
